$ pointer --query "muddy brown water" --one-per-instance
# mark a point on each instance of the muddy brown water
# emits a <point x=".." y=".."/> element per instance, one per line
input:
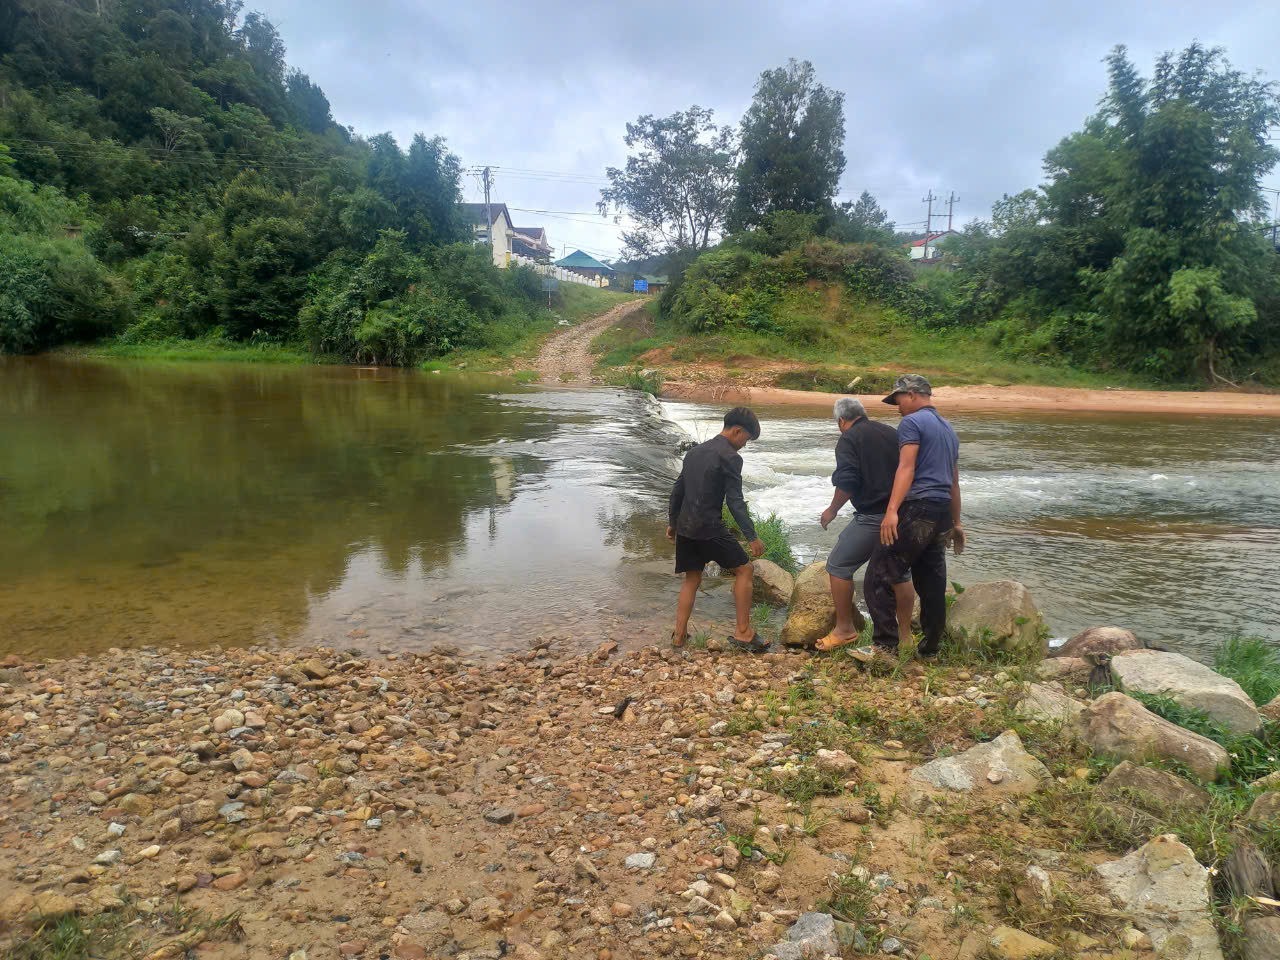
<point x="189" y="505"/>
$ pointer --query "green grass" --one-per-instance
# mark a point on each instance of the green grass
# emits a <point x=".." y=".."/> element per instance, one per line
<point x="773" y="533"/>
<point x="840" y="338"/>
<point x="1254" y="664"/>
<point x="649" y="382"/>
<point x="575" y="302"/>
<point x="207" y="350"/>
<point x="518" y="338"/>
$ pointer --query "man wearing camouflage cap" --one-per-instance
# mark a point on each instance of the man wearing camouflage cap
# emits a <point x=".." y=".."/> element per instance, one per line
<point x="922" y="517"/>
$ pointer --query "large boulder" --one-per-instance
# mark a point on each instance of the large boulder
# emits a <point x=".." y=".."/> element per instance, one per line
<point x="1162" y="888"/>
<point x="1155" y="789"/>
<point x="1266" y="809"/>
<point x="1121" y="726"/>
<point x="1042" y="702"/>
<point x="811" y="614"/>
<point x="772" y="584"/>
<point x="998" y="767"/>
<point x="1272" y="710"/>
<point x="1191" y="684"/>
<point x="1099" y="641"/>
<point x="1262" y="938"/>
<point x="1004" y="612"/>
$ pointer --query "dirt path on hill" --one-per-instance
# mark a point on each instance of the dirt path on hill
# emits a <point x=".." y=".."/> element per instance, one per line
<point x="568" y="352"/>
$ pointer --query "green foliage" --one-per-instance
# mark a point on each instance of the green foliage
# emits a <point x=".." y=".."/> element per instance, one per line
<point x="1253" y="663"/>
<point x="734" y="286"/>
<point x="792" y="140"/>
<point x="772" y="533"/>
<point x="1139" y="250"/>
<point x="645" y="381"/>
<point x="677" y="187"/>
<point x="214" y="192"/>
<point x="52" y="290"/>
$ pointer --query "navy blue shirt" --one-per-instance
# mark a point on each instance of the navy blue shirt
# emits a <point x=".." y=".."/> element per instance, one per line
<point x="939" y="452"/>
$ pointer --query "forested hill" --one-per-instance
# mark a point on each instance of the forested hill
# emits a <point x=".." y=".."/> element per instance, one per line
<point x="163" y="172"/>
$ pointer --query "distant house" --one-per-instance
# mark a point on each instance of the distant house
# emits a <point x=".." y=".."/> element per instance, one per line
<point x="929" y="248"/>
<point x="586" y="265"/>
<point x="656" y="284"/>
<point x="503" y="232"/>
<point x="535" y="238"/>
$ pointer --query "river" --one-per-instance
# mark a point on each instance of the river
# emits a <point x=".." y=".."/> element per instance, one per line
<point x="186" y="505"/>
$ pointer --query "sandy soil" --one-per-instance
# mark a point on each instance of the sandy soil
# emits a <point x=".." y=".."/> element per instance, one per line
<point x="1011" y="398"/>
<point x="566" y="357"/>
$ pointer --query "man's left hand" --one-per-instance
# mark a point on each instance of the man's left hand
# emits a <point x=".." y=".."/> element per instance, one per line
<point x="827" y="516"/>
<point x="958" y="539"/>
<point x="671" y="534"/>
<point x="756" y="547"/>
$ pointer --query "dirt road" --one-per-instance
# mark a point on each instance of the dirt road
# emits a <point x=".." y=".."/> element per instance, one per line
<point x="566" y="357"/>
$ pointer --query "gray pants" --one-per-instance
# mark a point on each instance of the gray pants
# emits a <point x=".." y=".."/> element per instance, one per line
<point x="858" y="540"/>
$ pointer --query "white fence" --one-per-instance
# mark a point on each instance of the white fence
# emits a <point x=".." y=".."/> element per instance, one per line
<point x="551" y="270"/>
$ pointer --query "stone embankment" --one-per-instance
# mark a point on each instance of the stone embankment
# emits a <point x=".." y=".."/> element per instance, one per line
<point x="313" y="804"/>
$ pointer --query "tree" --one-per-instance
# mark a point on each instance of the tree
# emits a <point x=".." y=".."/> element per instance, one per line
<point x="862" y="221"/>
<point x="677" y="187"/>
<point x="791" y="139"/>
<point x="176" y="130"/>
<point x="1190" y="150"/>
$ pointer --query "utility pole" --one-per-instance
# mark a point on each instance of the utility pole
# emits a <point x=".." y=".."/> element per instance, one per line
<point x="488" y="212"/>
<point x="928" y="223"/>
<point x="951" y="202"/>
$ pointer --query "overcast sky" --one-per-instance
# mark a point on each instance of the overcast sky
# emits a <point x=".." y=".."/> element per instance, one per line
<point x="959" y="96"/>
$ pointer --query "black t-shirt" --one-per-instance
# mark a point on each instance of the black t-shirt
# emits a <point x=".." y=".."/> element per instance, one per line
<point x="866" y="460"/>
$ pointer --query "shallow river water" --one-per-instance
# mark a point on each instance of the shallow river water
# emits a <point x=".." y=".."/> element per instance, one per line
<point x="188" y="505"/>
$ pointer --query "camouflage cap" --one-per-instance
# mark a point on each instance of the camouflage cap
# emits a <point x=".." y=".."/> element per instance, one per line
<point x="909" y="383"/>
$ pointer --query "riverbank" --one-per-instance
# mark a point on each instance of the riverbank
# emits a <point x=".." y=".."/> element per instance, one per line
<point x="1017" y="398"/>
<point x="315" y="804"/>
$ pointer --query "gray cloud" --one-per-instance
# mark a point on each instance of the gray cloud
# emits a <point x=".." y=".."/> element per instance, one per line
<point x="963" y="96"/>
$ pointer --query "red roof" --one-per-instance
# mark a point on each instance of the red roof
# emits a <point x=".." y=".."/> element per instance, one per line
<point x="931" y="238"/>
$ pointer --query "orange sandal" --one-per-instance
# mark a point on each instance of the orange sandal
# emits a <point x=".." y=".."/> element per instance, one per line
<point x="831" y="642"/>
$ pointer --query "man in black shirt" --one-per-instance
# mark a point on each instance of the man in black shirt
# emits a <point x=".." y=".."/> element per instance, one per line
<point x="866" y="460"/>
<point x="710" y="477"/>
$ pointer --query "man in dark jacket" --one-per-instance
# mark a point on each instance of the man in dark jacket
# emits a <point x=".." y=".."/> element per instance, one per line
<point x="710" y="477"/>
<point x="866" y="460"/>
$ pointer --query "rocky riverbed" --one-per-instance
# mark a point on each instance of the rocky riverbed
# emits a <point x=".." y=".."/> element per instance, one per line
<point x="313" y="804"/>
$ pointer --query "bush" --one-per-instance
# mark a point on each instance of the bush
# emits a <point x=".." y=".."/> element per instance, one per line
<point x="51" y="292"/>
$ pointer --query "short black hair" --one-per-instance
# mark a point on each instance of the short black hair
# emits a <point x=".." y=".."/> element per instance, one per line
<point x="744" y="418"/>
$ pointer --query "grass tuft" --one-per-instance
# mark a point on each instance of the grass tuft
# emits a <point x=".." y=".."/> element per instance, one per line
<point x="1253" y="663"/>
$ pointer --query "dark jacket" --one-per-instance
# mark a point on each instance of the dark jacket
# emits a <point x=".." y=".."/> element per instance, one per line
<point x="866" y="460"/>
<point x="711" y="476"/>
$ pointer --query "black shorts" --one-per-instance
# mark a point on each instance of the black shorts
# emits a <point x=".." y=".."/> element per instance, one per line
<point x="692" y="555"/>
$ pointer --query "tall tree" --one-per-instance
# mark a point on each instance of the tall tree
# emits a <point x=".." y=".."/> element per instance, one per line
<point x="1190" y="149"/>
<point x="677" y="186"/>
<point x="792" y="142"/>
<point x="862" y="221"/>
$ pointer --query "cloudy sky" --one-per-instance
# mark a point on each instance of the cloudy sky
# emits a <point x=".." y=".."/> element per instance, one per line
<point x="961" y="96"/>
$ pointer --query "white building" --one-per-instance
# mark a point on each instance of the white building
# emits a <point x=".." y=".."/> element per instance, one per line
<point x="477" y="215"/>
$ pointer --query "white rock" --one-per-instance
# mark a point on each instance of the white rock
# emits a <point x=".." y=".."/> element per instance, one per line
<point x="1002" y="764"/>
<point x="1166" y="892"/>
<point x="1191" y="684"/>
<point x="1045" y="703"/>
